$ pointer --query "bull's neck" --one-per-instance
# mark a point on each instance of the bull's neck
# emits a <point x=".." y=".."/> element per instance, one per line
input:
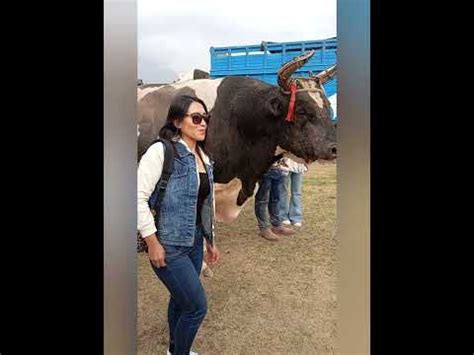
<point x="284" y="99"/>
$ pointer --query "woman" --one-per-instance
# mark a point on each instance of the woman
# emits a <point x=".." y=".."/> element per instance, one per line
<point x="175" y="242"/>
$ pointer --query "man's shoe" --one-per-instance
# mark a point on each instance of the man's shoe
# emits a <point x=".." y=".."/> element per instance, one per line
<point x="282" y="230"/>
<point x="269" y="235"/>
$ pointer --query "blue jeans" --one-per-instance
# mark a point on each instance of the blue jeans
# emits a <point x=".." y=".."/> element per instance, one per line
<point x="268" y="197"/>
<point x="292" y="210"/>
<point x="188" y="304"/>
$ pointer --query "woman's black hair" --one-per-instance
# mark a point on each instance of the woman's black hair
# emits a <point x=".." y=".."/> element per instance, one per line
<point x="177" y="112"/>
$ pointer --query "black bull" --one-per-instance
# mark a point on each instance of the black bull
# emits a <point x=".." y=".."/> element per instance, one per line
<point x="247" y="126"/>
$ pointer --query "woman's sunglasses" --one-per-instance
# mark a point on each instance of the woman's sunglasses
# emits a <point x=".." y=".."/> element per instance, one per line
<point x="198" y="117"/>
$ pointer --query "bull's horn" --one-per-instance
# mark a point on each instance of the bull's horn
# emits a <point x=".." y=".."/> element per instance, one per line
<point x="326" y="75"/>
<point x="289" y="68"/>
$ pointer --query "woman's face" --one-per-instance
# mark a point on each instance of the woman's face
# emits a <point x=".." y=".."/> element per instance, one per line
<point x="189" y="129"/>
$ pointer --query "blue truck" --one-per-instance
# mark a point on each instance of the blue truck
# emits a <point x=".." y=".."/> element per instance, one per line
<point x="262" y="61"/>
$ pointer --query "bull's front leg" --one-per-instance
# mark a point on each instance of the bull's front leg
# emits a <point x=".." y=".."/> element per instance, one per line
<point x="249" y="183"/>
<point x="246" y="191"/>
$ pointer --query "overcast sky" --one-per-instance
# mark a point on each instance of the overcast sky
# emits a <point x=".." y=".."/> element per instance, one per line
<point x="174" y="36"/>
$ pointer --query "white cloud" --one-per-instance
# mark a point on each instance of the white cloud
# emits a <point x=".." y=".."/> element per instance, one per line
<point x="176" y="39"/>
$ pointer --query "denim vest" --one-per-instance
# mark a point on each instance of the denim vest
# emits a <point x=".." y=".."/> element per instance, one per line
<point x="177" y="222"/>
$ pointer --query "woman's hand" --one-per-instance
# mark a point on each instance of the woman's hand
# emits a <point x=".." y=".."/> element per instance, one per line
<point x="212" y="254"/>
<point x="156" y="252"/>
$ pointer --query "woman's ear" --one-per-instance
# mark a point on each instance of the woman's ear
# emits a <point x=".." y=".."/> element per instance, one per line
<point x="177" y="124"/>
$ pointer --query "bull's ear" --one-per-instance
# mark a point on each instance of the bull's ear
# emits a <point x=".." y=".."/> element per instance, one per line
<point x="275" y="106"/>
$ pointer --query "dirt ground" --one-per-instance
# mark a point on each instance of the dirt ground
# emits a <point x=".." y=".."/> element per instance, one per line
<point x="265" y="297"/>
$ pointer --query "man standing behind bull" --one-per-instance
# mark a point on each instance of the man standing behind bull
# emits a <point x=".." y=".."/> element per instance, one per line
<point x="292" y="210"/>
<point x="267" y="203"/>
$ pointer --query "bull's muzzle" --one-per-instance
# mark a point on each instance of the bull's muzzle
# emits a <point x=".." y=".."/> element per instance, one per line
<point x="332" y="150"/>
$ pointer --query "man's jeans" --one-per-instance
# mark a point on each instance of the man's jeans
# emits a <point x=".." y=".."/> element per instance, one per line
<point x="188" y="305"/>
<point x="267" y="200"/>
<point x="292" y="210"/>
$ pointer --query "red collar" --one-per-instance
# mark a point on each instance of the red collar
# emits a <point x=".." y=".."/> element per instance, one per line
<point x="290" y="117"/>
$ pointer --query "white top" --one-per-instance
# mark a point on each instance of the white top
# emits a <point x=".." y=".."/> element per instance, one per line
<point x="148" y="175"/>
<point x="293" y="166"/>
